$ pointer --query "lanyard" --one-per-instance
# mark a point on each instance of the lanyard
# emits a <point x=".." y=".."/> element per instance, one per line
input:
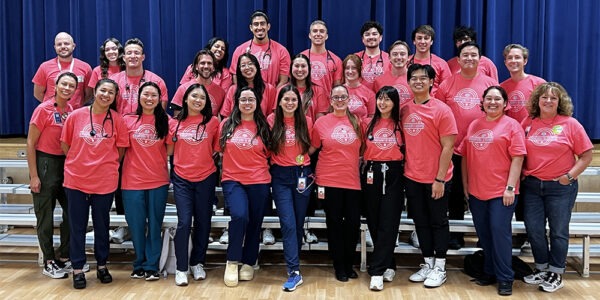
<point x="70" y="67"/>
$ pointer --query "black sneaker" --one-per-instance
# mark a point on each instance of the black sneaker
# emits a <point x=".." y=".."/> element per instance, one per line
<point x="79" y="281"/>
<point x="104" y="275"/>
<point x="52" y="270"/>
<point x="152" y="275"/>
<point x="505" y="288"/>
<point x="137" y="274"/>
<point x="552" y="283"/>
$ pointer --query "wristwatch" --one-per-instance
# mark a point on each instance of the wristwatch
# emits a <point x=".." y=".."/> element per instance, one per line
<point x="571" y="178"/>
<point x="510" y="188"/>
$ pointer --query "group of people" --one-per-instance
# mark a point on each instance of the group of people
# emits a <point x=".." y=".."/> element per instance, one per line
<point x="359" y="134"/>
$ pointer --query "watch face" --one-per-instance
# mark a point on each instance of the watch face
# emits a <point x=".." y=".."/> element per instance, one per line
<point x="510" y="188"/>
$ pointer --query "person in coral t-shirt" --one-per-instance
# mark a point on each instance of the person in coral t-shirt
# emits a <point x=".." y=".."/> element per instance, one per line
<point x="362" y="99"/>
<point x="422" y="38"/>
<point x="396" y="77"/>
<point x="326" y="67"/>
<point x="462" y="35"/>
<point x="221" y="77"/>
<point x="375" y="61"/>
<point x="111" y="62"/>
<point x="315" y="102"/>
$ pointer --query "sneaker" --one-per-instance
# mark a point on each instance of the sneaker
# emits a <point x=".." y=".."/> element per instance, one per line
<point x="181" y="278"/>
<point x="368" y="238"/>
<point x="52" y="270"/>
<point x="198" y="272"/>
<point x="552" y="283"/>
<point x="422" y="274"/>
<point x="121" y="234"/>
<point x="310" y="237"/>
<point x="268" y="238"/>
<point x="505" y="288"/>
<point x="526" y="247"/>
<point x="210" y="239"/>
<point x="224" y="239"/>
<point x="79" y="281"/>
<point x="104" y="275"/>
<point x="293" y="282"/>
<point x="67" y="266"/>
<point x="376" y="283"/>
<point x="435" y="278"/>
<point x="536" y="278"/>
<point x="246" y="272"/>
<point x="414" y="239"/>
<point x="398" y="239"/>
<point x="137" y="274"/>
<point x="152" y="275"/>
<point x="231" y="274"/>
<point x="389" y="275"/>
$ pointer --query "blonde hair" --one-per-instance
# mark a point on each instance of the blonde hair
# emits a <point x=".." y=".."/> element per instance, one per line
<point x="565" y="105"/>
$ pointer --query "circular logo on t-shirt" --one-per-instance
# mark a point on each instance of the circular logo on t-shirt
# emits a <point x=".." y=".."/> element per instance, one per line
<point x="467" y="98"/>
<point x="542" y="137"/>
<point x="145" y="135"/>
<point x="372" y="71"/>
<point x="384" y="138"/>
<point x="413" y="124"/>
<point x="354" y="103"/>
<point x="290" y="135"/>
<point x="193" y="134"/>
<point x="481" y="139"/>
<point x="86" y="134"/>
<point x="343" y="134"/>
<point x="317" y="70"/>
<point x="402" y="92"/>
<point x="517" y="100"/>
<point x="244" y="139"/>
<point x="264" y="59"/>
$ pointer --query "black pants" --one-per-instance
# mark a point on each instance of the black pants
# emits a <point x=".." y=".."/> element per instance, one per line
<point x="383" y="210"/>
<point x="430" y="216"/>
<point x="456" y="199"/>
<point x="342" y="210"/>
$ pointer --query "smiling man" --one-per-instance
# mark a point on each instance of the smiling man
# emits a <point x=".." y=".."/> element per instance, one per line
<point x="326" y="67"/>
<point x="423" y="37"/>
<point x="45" y="78"/>
<point x="375" y="62"/>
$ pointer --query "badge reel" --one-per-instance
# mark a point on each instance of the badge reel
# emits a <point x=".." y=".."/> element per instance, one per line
<point x="370" y="175"/>
<point x="321" y="192"/>
<point x="301" y="185"/>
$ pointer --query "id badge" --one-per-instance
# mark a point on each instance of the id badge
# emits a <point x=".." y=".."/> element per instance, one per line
<point x="321" y="192"/>
<point x="57" y="118"/>
<point x="80" y="78"/>
<point x="301" y="186"/>
<point x="369" y="177"/>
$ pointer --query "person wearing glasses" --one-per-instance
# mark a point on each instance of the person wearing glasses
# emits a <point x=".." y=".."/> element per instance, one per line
<point x="192" y="141"/>
<point x="375" y="61"/>
<point x="244" y="145"/>
<point x="273" y="58"/>
<point x="361" y="100"/>
<point x="396" y="77"/>
<point x="326" y="67"/>
<point x="93" y="139"/>
<point x="339" y="136"/>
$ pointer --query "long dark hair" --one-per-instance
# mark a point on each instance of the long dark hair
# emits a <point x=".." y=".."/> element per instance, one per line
<point x="219" y="65"/>
<point x="257" y="81"/>
<point x="300" y="126"/>
<point x="206" y="112"/>
<point x="392" y="93"/>
<point x="235" y="119"/>
<point x="102" y="81"/>
<point x="307" y="95"/>
<point x="161" y="121"/>
<point x="104" y="60"/>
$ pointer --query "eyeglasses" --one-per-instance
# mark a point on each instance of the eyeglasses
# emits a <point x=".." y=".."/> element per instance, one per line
<point x="247" y="100"/>
<point x="244" y="66"/>
<point x="339" y="98"/>
<point x="420" y="79"/>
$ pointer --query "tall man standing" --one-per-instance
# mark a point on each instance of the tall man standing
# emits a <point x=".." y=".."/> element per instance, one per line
<point x="375" y="62"/>
<point x="325" y="66"/>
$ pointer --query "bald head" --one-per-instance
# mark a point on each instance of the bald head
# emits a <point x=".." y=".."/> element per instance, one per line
<point x="64" y="45"/>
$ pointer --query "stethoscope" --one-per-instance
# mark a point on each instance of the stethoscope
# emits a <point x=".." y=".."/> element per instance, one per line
<point x="330" y="58"/>
<point x="128" y="88"/>
<point x="378" y="63"/>
<point x="411" y="61"/>
<point x="265" y="54"/>
<point x="103" y="134"/>
<point x="195" y="138"/>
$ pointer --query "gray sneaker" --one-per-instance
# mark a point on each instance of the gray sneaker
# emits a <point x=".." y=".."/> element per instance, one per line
<point x="54" y="271"/>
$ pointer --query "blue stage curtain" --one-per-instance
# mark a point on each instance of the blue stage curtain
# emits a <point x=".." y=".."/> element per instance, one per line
<point x="562" y="36"/>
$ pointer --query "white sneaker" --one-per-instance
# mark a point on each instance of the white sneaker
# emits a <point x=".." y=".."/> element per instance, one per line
<point x="422" y="274"/>
<point x="435" y="278"/>
<point x="210" y="239"/>
<point x="398" y="239"/>
<point x="224" y="239"/>
<point x="121" y="234"/>
<point x="181" y="278"/>
<point x="69" y="268"/>
<point x="246" y="272"/>
<point x="268" y="238"/>
<point x="54" y="271"/>
<point x="389" y="275"/>
<point x="198" y="272"/>
<point x="310" y="237"/>
<point x="526" y="247"/>
<point x="231" y="274"/>
<point x="376" y="283"/>
<point x="368" y="238"/>
<point x="414" y="239"/>
<point x="552" y="283"/>
<point x="537" y="277"/>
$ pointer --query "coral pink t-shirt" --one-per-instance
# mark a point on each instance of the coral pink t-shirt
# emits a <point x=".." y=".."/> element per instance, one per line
<point x="361" y="101"/>
<point x="442" y="72"/>
<point x="552" y="148"/>
<point x="49" y="120"/>
<point x="383" y="144"/>
<point x="291" y="153"/>
<point x="245" y="157"/>
<point x="92" y="163"/>
<point x="97" y="74"/>
<point x="423" y="126"/>
<point x="194" y="147"/>
<point x="222" y="79"/>
<point x="489" y="148"/>
<point x="399" y="82"/>
<point x="267" y="104"/>
<point x="145" y="161"/>
<point x="319" y="101"/>
<point x="274" y="59"/>
<point x="518" y="95"/>
<point x="486" y="66"/>
<point x="215" y="93"/>
<point x="127" y="99"/>
<point x="49" y="70"/>
<point x="373" y="67"/>
<point x="464" y="98"/>
<point x="339" y="157"/>
<point x="325" y="69"/>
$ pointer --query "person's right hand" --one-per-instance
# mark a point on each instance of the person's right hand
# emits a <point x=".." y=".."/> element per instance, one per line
<point x="35" y="184"/>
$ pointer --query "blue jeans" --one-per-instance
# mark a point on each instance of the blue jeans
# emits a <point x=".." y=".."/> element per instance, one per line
<point x="552" y="201"/>
<point x="79" y="211"/>
<point x="492" y="222"/>
<point x="247" y="208"/>
<point x="193" y="199"/>
<point x="145" y="209"/>
<point x="291" y="206"/>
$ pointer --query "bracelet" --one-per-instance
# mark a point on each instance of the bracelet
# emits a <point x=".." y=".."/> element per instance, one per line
<point x="571" y="179"/>
<point x="440" y="181"/>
